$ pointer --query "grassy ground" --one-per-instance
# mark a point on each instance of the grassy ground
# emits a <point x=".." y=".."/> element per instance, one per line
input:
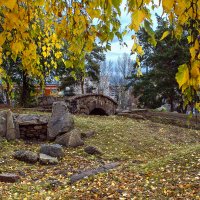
<point x="156" y="162"/>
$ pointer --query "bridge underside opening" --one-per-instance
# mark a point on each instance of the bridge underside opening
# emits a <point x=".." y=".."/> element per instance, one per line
<point x="98" y="111"/>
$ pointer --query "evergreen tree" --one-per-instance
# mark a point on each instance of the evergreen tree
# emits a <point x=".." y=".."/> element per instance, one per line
<point x="161" y="62"/>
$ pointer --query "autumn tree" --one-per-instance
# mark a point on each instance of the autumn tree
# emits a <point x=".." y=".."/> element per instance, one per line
<point x="82" y="22"/>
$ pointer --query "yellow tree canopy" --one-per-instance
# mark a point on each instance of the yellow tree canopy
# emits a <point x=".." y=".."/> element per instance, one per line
<point x="32" y="26"/>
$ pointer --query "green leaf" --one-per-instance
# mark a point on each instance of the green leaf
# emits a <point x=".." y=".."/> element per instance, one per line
<point x="148" y="29"/>
<point x="116" y="4"/>
<point x="108" y="46"/>
<point x="150" y="32"/>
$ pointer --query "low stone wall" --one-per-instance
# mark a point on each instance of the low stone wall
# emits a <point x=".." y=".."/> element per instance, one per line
<point x="25" y="126"/>
<point x="33" y="132"/>
<point x="176" y="119"/>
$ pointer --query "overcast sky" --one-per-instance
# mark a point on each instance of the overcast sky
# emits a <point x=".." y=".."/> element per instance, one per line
<point x="116" y="49"/>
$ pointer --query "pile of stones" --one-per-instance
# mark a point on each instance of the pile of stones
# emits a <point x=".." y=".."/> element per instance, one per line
<point x="59" y="127"/>
<point x="49" y="154"/>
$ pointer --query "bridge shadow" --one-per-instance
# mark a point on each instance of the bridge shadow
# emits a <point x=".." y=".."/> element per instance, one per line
<point x="98" y="111"/>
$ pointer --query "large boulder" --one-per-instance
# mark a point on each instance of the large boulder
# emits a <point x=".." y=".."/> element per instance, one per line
<point x="54" y="150"/>
<point x="11" y="132"/>
<point x="70" y="139"/>
<point x="26" y="156"/>
<point x="61" y="120"/>
<point x="3" y="125"/>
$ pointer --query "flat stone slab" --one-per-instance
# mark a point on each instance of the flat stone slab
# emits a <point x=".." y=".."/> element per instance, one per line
<point x="76" y="177"/>
<point x="26" y="119"/>
<point x="47" y="160"/>
<point x="9" y="178"/>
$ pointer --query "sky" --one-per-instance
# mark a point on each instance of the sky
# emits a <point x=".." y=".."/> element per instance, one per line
<point x="116" y="49"/>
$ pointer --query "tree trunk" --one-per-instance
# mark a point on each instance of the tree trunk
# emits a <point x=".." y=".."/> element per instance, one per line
<point x="24" y="95"/>
<point x="7" y="93"/>
<point x="171" y="104"/>
<point x="82" y="86"/>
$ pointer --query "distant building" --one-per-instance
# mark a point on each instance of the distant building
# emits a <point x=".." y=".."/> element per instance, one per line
<point x="49" y="90"/>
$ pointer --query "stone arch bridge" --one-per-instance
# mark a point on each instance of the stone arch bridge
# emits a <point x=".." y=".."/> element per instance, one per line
<point x="89" y="104"/>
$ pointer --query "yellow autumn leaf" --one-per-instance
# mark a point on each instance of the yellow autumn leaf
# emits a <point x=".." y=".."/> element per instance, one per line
<point x="58" y="54"/>
<point x="44" y="54"/>
<point x="165" y="34"/>
<point x="196" y="44"/>
<point x="134" y="47"/>
<point x="7" y="53"/>
<point x="182" y="75"/>
<point x="197" y="106"/>
<point x="17" y="47"/>
<point x="195" y="68"/>
<point x="189" y="38"/>
<point x="198" y="80"/>
<point x="2" y="39"/>
<point x="192" y="53"/>
<point x="140" y="50"/>
<point x="57" y="45"/>
<point x="138" y="61"/>
<point x="52" y="62"/>
<point x="39" y="3"/>
<point x="56" y="78"/>
<point x="44" y="48"/>
<point x="137" y="18"/>
<point x="10" y="4"/>
<point x="167" y="5"/>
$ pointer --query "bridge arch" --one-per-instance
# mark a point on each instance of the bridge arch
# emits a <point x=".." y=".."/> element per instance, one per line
<point x="98" y="111"/>
<point x="92" y="104"/>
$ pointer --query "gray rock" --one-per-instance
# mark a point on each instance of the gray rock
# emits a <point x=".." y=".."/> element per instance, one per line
<point x="26" y="119"/>
<point x="70" y="139"/>
<point x="61" y="120"/>
<point x="11" y="132"/>
<point x="87" y="134"/>
<point x="47" y="160"/>
<point x="76" y="177"/>
<point x="92" y="150"/>
<point x="3" y="125"/>
<point x="9" y="178"/>
<point x="26" y="156"/>
<point x="54" y="150"/>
